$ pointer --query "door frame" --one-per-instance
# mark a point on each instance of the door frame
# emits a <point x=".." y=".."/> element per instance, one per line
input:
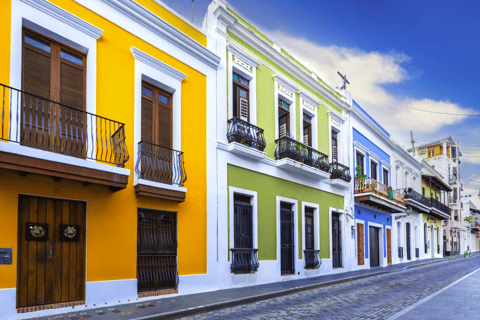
<point x="18" y="239"/>
<point x="341" y="219"/>
<point x="296" y="260"/>
<point x="253" y="200"/>
<point x="316" y="225"/>
<point x="362" y="222"/>
<point x="381" y="245"/>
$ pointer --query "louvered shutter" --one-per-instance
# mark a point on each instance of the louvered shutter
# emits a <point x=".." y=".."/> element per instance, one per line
<point x="360" y="244"/>
<point x="147" y="120"/>
<point x="164" y="127"/>
<point x="36" y="80"/>
<point x="244" y="109"/>
<point x="283" y="130"/>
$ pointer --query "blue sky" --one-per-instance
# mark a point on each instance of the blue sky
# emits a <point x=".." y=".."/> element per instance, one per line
<point x="420" y="54"/>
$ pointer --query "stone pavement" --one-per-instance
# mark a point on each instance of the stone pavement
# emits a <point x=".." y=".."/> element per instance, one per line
<point x="460" y="301"/>
<point x="178" y="305"/>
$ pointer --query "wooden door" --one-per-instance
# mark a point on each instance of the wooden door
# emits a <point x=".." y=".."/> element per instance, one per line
<point x="51" y="257"/>
<point x="408" y="236"/>
<point x="336" y="241"/>
<point x="389" y="246"/>
<point x="374" y="247"/>
<point x="360" y="244"/>
<point x="287" y="234"/>
<point x="156" y="250"/>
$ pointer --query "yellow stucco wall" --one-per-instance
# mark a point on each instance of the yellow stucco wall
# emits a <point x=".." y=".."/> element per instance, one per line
<point x="430" y="220"/>
<point x="112" y="218"/>
<point x="430" y="192"/>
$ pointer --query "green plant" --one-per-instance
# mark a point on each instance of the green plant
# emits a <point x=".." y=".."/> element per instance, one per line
<point x="359" y="174"/>
<point x="469" y="219"/>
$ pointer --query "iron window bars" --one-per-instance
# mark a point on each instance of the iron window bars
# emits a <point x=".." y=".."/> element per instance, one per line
<point x="312" y="259"/>
<point x="288" y="147"/>
<point x="340" y="171"/>
<point x="40" y="123"/>
<point x="244" y="260"/>
<point x="245" y="133"/>
<point x="160" y="164"/>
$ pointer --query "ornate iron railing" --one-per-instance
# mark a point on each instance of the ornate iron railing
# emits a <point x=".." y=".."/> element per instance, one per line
<point x="439" y="206"/>
<point x="40" y="123"/>
<point x="244" y="260"/>
<point x="287" y="147"/>
<point x="409" y="193"/>
<point x="417" y="253"/>
<point x="312" y="259"/>
<point x="340" y="171"/>
<point x="160" y="164"/>
<point x="245" y="133"/>
<point x="363" y="185"/>
<point x="400" y="252"/>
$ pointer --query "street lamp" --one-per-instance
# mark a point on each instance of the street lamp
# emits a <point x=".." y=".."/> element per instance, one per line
<point x="408" y="210"/>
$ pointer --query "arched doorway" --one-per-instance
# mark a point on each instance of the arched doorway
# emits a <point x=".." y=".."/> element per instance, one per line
<point x="432" y="241"/>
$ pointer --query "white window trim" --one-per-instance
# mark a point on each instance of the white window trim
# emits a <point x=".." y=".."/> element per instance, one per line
<point x="294" y="204"/>
<point x="381" y="249"/>
<point x="314" y="125"/>
<point x="370" y="167"/>
<point x="316" y="225"/>
<point x="388" y="174"/>
<point x="251" y="76"/>
<point x="61" y="26"/>
<point x="290" y="99"/>
<point x="362" y="150"/>
<point x="162" y="75"/>
<point x="335" y="121"/>
<point x="254" y="202"/>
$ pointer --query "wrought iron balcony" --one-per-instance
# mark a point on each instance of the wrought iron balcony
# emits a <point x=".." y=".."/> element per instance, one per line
<point x="340" y="171"/>
<point x="245" y="133"/>
<point x="40" y="123"/>
<point x="367" y="184"/>
<point x="287" y="147"/>
<point x="312" y="259"/>
<point x="439" y="206"/>
<point x="244" y="260"/>
<point x="409" y="193"/>
<point x="160" y="164"/>
<point x="400" y="252"/>
<point x="417" y="253"/>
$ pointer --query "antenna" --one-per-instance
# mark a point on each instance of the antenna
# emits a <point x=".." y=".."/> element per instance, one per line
<point x="413" y="143"/>
<point x="192" y="12"/>
<point x="345" y="81"/>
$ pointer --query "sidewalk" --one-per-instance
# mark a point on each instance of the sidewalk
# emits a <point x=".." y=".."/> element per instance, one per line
<point x="181" y="306"/>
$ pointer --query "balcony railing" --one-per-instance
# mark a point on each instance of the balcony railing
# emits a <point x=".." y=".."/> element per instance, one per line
<point x="40" y="123"/>
<point x="409" y="193"/>
<point x="287" y="147"/>
<point x="340" y="171"/>
<point x="312" y="259"/>
<point x="245" y="133"/>
<point x="160" y="164"/>
<point x="439" y="206"/>
<point x="363" y="185"/>
<point x="244" y="260"/>
<point x="400" y="252"/>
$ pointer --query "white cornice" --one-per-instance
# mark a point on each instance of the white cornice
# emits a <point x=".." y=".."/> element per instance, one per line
<point x="373" y="126"/>
<point x="287" y="84"/>
<point x="242" y="55"/>
<point x="66" y="17"/>
<point x="336" y="116"/>
<point x="386" y="165"/>
<point x="360" y="147"/>
<point x="374" y="156"/>
<point x="158" y="26"/>
<point x="311" y="99"/>
<point x="157" y="64"/>
<point x="257" y="43"/>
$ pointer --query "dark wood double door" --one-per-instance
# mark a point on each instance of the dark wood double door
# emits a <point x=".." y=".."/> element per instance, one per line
<point x="374" y="246"/>
<point x="156" y="250"/>
<point x="287" y="239"/>
<point x="51" y="251"/>
<point x="336" y="241"/>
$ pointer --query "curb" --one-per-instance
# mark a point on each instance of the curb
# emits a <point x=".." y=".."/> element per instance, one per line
<point x="233" y="303"/>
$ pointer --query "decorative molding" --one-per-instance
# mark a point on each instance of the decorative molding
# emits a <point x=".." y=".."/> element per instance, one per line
<point x="241" y="55"/>
<point x="141" y="15"/>
<point x="360" y="147"/>
<point x="284" y="86"/>
<point x="308" y="101"/>
<point x="386" y="165"/>
<point x="66" y="17"/>
<point x="157" y="64"/>
<point x="241" y="150"/>
<point x="242" y="63"/>
<point x="374" y="157"/>
<point x="335" y="116"/>
<point x="269" y="51"/>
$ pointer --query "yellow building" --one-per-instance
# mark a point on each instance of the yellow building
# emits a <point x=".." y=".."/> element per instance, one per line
<point x="103" y="117"/>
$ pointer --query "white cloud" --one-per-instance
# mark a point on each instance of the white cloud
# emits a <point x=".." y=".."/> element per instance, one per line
<point x="367" y="73"/>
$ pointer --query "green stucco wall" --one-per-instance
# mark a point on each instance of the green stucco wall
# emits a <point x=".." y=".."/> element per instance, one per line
<point x="268" y="188"/>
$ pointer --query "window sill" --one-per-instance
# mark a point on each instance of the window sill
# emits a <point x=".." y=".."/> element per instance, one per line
<point x="159" y="190"/>
<point x="340" y="183"/>
<point x="302" y="169"/>
<point x="241" y="150"/>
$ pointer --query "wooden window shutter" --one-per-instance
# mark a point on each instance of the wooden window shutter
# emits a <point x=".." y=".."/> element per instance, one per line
<point x="72" y="79"/>
<point x="244" y="109"/>
<point x="360" y="244"/>
<point x="147" y="120"/>
<point x="164" y="126"/>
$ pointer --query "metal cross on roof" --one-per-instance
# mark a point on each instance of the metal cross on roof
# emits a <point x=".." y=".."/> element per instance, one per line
<point x="345" y="81"/>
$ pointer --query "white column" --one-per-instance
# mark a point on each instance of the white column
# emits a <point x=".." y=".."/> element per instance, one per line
<point x="444" y="148"/>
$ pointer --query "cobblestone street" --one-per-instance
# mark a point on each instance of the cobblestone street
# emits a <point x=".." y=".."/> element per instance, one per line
<point x="377" y="297"/>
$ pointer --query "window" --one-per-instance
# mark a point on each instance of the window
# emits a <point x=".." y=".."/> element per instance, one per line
<point x="455" y="195"/>
<point x="373" y="170"/>
<point x="241" y="100"/>
<point x="385" y="177"/>
<point x="156" y="116"/>
<point x="309" y="229"/>
<point x="456" y="215"/>
<point x="423" y="191"/>
<point x="359" y="162"/>
<point x="454" y="172"/>
<point x="454" y="152"/>
<point x="307" y="129"/>
<point x="334" y="146"/>
<point x="283" y="118"/>
<point x="243" y="222"/>
<point x="431" y="152"/>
